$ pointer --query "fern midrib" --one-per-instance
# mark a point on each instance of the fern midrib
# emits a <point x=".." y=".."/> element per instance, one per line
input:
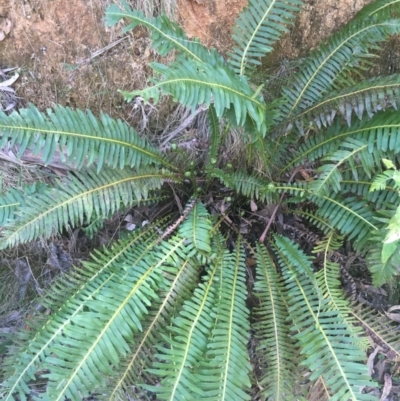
<point x="149" y="329"/>
<point x="334" y="138"/>
<point x="305" y="87"/>
<point x="337" y="165"/>
<point x="192" y="328"/>
<point x="255" y="31"/>
<point x="205" y="83"/>
<point x="146" y="152"/>
<point x="327" y="341"/>
<point x="329" y="200"/>
<point x="365" y="324"/>
<point x="80" y="195"/>
<point x="142" y="279"/>
<point x="159" y="31"/>
<point x="231" y="316"/>
<point x="343" y="96"/>
<point x="88" y="297"/>
<point x="384" y="6"/>
<point x="9" y="205"/>
<point x="276" y="332"/>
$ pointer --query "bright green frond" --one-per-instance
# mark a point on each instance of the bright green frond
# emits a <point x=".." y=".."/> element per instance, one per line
<point x="78" y="137"/>
<point x="348" y="47"/>
<point x="76" y="199"/>
<point x="276" y="349"/>
<point x="324" y="337"/>
<point x="187" y="341"/>
<point x="71" y="299"/>
<point x="257" y="29"/>
<point x="224" y="374"/>
<point x="193" y="83"/>
<point x="161" y="313"/>
<point x="165" y="34"/>
<point x="196" y="228"/>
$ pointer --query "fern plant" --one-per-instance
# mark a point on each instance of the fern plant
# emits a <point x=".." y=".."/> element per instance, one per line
<point x="170" y="309"/>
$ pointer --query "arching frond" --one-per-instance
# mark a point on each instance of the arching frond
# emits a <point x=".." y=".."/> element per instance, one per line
<point x="77" y="198"/>
<point x="349" y="47"/>
<point x="70" y="299"/>
<point x="329" y="283"/>
<point x="379" y="327"/>
<point x="276" y="349"/>
<point x="161" y="313"/>
<point x="367" y="97"/>
<point x="257" y="28"/>
<point x="381" y="133"/>
<point x="196" y="228"/>
<point x="249" y="185"/>
<point x="165" y="34"/>
<point x="187" y="341"/>
<point x="324" y="337"/>
<point x="224" y="373"/>
<point x="193" y="83"/>
<point x="78" y="137"/>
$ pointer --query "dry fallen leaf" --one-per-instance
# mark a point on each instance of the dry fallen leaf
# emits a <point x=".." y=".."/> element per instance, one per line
<point x="393" y="313"/>
<point x="386" y="387"/>
<point x="5" y="28"/>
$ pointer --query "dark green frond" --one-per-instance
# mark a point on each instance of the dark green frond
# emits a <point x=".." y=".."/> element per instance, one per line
<point x="78" y="137"/>
<point x="193" y="83"/>
<point x="366" y="97"/>
<point x="276" y="349"/>
<point x="349" y="47"/>
<point x="248" y="185"/>
<point x="77" y="198"/>
<point x="165" y="34"/>
<point x="257" y="29"/>
<point x="380" y="328"/>
<point x="322" y="334"/>
<point x="381" y="133"/>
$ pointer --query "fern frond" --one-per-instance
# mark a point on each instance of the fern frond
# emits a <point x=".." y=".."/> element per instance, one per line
<point x="257" y="28"/>
<point x="215" y="137"/>
<point x="272" y="330"/>
<point x="98" y="347"/>
<point x="78" y="136"/>
<point x="14" y="199"/>
<point x="366" y="97"/>
<point x="187" y="341"/>
<point x="350" y="46"/>
<point x="225" y="371"/>
<point x="77" y="198"/>
<point x="380" y="328"/>
<point x="248" y="185"/>
<point x="165" y="34"/>
<point x="324" y="337"/>
<point x="382" y="134"/>
<point x="160" y="316"/>
<point x="329" y="283"/>
<point x="196" y="228"/>
<point x="193" y="83"/>
<point x="68" y="299"/>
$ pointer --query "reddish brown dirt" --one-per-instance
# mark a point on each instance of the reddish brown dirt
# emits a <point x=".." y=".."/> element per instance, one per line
<point x="210" y="21"/>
